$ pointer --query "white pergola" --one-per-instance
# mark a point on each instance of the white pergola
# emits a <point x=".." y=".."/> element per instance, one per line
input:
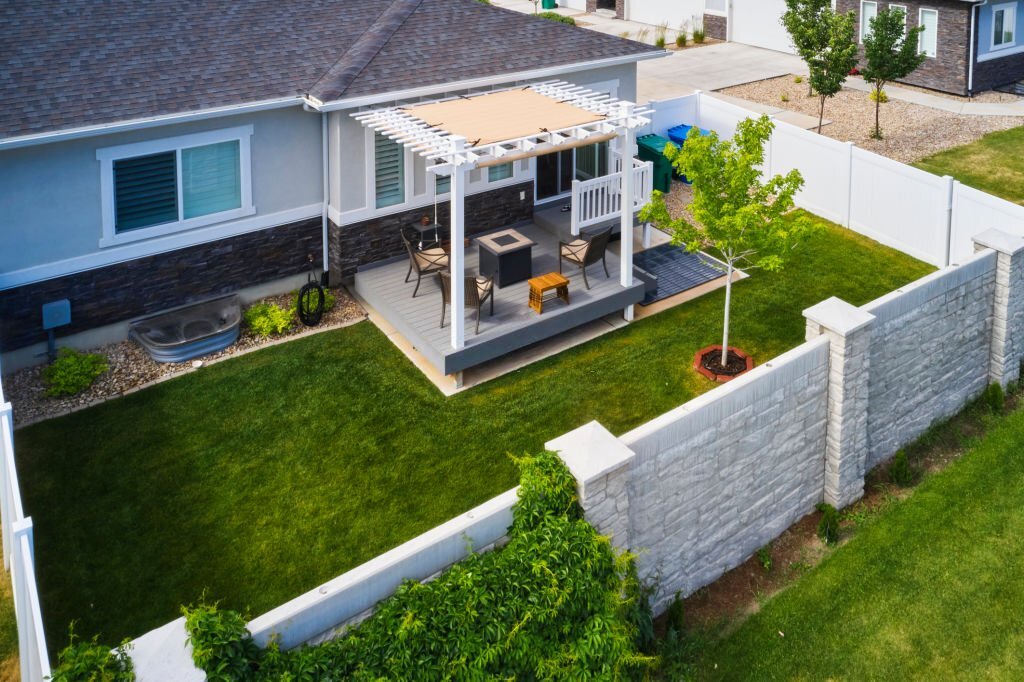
<point x="465" y="132"/>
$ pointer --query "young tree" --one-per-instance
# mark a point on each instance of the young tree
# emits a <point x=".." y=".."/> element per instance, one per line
<point x="830" y="66"/>
<point x="802" y="20"/>
<point x="890" y="53"/>
<point x="736" y="216"/>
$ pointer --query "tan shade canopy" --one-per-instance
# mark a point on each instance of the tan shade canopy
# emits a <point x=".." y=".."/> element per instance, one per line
<point x="499" y="116"/>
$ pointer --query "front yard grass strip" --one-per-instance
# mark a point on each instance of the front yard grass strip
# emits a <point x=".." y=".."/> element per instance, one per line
<point x="257" y="479"/>
<point x="993" y="164"/>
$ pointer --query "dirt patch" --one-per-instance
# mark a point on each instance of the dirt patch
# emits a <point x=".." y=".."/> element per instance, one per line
<point x="130" y="368"/>
<point x="910" y="131"/>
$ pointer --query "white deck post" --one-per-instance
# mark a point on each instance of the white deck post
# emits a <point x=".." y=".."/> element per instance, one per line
<point x="457" y="262"/>
<point x="626" y="142"/>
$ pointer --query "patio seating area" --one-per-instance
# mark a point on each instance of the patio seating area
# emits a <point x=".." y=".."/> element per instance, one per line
<point x="514" y="324"/>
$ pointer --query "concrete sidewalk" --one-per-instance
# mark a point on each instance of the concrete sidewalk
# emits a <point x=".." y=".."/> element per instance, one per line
<point x="953" y="106"/>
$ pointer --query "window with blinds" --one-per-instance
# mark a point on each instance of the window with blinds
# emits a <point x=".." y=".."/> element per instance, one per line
<point x="389" y="171"/>
<point x="211" y="179"/>
<point x="145" y="191"/>
<point x="500" y="172"/>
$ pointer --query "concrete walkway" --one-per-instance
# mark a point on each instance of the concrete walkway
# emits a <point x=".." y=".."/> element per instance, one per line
<point x="954" y="106"/>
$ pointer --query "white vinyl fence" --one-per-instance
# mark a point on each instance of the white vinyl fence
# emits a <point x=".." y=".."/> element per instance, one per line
<point x="929" y="217"/>
<point x="19" y="557"/>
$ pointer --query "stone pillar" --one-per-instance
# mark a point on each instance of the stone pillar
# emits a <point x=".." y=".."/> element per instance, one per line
<point x="600" y="462"/>
<point x="1007" y="348"/>
<point x="849" y="331"/>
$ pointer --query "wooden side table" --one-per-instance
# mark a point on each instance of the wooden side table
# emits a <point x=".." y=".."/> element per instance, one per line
<point x="539" y="286"/>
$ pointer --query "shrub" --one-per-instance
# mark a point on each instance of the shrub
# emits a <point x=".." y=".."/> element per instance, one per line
<point x="900" y="472"/>
<point x="994" y="398"/>
<point x="681" y="38"/>
<point x="89" y="661"/>
<point x="764" y="557"/>
<point x="784" y="97"/>
<point x="329" y="301"/>
<point x="798" y="79"/>
<point x="72" y="372"/>
<point x="266" y="319"/>
<point x="828" y="527"/>
<point x="878" y="96"/>
<point x="555" y="16"/>
<point x="659" y="35"/>
<point x="660" y="42"/>
<point x="698" y="30"/>
<point x="556" y="602"/>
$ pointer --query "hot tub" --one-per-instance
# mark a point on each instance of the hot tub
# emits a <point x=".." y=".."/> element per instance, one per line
<point x="189" y="332"/>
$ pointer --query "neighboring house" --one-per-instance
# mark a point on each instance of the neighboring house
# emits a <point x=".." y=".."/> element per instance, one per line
<point x="157" y="153"/>
<point x="970" y="46"/>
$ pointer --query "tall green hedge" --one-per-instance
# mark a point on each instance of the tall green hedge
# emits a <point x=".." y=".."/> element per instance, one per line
<point x="556" y="602"/>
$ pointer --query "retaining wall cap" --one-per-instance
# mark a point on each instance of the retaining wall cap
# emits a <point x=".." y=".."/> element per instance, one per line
<point x="1000" y="241"/>
<point x="590" y="451"/>
<point x="838" y="316"/>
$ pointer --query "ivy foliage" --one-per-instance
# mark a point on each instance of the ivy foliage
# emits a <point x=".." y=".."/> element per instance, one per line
<point x="555" y="603"/>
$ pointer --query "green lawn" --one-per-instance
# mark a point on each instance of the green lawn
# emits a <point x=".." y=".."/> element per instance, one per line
<point x="993" y="164"/>
<point x="259" y="478"/>
<point x="931" y="589"/>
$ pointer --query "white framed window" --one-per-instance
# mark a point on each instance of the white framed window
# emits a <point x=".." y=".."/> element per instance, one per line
<point x="502" y="171"/>
<point x="159" y="187"/>
<point x="901" y="8"/>
<point x="868" y="11"/>
<point x="928" y="40"/>
<point x="1004" y="25"/>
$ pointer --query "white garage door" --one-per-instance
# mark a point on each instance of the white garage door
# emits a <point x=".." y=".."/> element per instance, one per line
<point x="671" y="12"/>
<point x="758" y="23"/>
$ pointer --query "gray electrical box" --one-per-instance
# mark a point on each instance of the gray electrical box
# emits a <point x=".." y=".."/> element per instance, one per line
<point x="56" y="314"/>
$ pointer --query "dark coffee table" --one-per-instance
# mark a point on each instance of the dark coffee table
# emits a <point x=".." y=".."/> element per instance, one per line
<point x="507" y="256"/>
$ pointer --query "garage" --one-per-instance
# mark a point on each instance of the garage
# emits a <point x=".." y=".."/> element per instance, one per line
<point x="758" y="23"/>
<point x="670" y="12"/>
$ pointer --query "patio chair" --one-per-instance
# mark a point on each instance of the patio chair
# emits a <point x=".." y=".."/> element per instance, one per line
<point x="424" y="262"/>
<point x="478" y="290"/>
<point x="584" y="252"/>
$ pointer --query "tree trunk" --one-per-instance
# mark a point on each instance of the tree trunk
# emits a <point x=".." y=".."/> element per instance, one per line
<point x="821" y="113"/>
<point x="878" y="106"/>
<point x="725" y="327"/>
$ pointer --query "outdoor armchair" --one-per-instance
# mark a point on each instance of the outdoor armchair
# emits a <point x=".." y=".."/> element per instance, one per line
<point x="584" y="252"/>
<point x="478" y="290"/>
<point x="424" y="262"/>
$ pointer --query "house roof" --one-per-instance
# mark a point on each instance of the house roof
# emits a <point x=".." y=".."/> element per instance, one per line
<point x="69" y="64"/>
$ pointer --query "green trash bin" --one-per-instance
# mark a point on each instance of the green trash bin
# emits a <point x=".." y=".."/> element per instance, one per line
<point x="651" y="148"/>
<point x="549" y="4"/>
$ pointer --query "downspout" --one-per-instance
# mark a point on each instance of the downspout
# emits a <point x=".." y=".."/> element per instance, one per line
<point x="327" y="196"/>
<point x="971" y="56"/>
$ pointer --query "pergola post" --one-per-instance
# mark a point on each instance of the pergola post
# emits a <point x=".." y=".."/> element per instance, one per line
<point x="457" y="257"/>
<point x="626" y="141"/>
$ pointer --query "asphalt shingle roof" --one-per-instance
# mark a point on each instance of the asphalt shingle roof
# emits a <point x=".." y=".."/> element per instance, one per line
<point x="66" y="64"/>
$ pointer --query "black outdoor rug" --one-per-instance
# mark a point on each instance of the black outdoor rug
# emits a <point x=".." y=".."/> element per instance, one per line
<point x="676" y="269"/>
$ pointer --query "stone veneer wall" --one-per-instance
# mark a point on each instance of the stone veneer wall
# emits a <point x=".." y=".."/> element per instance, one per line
<point x="995" y="73"/>
<point x="620" y="8"/>
<point x="368" y="241"/>
<point x="716" y="26"/>
<point x="147" y="285"/>
<point x="947" y="71"/>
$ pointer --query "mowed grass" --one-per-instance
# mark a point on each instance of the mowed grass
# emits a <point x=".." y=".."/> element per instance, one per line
<point x="993" y="164"/>
<point x="256" y="479"/>
<point x="932" y="589"/>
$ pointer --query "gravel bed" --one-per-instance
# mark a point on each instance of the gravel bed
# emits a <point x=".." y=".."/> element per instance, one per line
<point x="131" y="368"/>
<point x="910" y="131"/>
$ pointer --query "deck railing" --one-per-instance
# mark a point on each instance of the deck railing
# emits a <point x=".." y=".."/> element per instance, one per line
<point x="599" y="199"/>
<point x="19" y="557"/>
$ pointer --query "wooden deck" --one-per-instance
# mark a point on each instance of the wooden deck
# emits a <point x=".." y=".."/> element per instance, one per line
<point x="513" y="326"/>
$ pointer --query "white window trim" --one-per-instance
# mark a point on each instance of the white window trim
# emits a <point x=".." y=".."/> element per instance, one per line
<point x="1011" y="8"/>
<point x="865" y="25"/>
<point x="107" y="155"/>
<point x="920" y="37"/>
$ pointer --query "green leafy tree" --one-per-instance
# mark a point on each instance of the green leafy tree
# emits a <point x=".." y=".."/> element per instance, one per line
<point x="826" y="41"/>
<point x="739" y="218"/>
<point x="890" y="53"/>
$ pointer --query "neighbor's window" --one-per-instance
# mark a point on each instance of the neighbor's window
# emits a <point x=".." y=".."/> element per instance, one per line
<point x="499" y="172"/>
<point x="901" y="8"/>
<point x="929" y="40"/>
<point x="592" y="161"/>
<point x="175" y="184"/>
<point x="868" y="11"/>
<point x="442" y="184"/>
<point x="389" y="170"/>
<point x="1004" y="24"/>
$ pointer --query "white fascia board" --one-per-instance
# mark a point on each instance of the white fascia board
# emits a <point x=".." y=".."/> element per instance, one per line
<point x="548" y="72"/>
<point x="137" y="124"/>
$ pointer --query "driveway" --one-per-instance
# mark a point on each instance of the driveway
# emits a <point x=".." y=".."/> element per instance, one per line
<point x="711" y="67"/>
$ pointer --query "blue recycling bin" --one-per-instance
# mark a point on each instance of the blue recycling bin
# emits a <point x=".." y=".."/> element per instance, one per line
<point x="678" y="136"/>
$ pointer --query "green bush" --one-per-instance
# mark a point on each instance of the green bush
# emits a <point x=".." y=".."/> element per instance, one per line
<point x="878" y="95"/>
<point x="828" y="527"/>
<point x="660" y="42"/>
<point x="89" y="661"/>
<point x="900" y="472"/>
<point x="72" y="372"/>
<point x="681" y="39"/>
<point x="995" y="398"/>
<point x="556" y="602"/>
<point x="267" y="319"/>
<point x="329" y="301"/>
<point x="555" y="16"/>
